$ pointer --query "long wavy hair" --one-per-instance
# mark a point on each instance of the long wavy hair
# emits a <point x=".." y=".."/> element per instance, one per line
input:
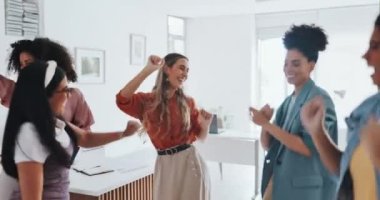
<point x="30" y="103"/>
<point x="161" y="99"/>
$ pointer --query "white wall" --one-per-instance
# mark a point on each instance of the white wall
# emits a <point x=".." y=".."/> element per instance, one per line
<point x="341" y="66"/>
<point x="223" y="62"/>
<point x="297" y="5"/>
<point x="107" y="25"/>
<point x="104" y="25"/>
<point x="220" y="51"/>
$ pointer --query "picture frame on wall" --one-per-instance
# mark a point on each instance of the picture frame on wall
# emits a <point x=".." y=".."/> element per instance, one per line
<point x="90" y="65"/>
<point x="137" y="49"/>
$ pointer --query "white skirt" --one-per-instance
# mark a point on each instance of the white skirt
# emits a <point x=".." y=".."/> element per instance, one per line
<point x="181" y="176"/>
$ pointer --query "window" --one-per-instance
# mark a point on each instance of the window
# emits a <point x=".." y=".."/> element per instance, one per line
<point x="273" y="86"/>
<point x="22" y="18"/>
<point x="348" y="40"/>
<point x="176" y="35"/>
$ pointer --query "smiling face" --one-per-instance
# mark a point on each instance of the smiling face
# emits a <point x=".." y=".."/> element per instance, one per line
<point x="177" y="73"/>
<point x="297" y="68"/>
<point x="372" y="56"/>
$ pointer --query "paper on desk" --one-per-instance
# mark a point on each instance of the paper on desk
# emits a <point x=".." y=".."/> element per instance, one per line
<point x="94" y="170"/>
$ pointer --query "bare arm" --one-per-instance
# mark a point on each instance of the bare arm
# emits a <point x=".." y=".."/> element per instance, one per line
<point x="89" y="139"/>
<point x="204" y="119"/>
<point x="291" y="141"/>
<point x="154" y="63"/>
<point x="30" y="180"/>
<point x="328" y="151"/>
<point x="203" y="134"/>
<point x="6" y="90"/>
<point x="265" y="139"/>
<point x="312" y="117"/>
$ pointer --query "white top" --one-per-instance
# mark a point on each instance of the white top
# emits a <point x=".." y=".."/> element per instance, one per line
<point x="29" y="148"/>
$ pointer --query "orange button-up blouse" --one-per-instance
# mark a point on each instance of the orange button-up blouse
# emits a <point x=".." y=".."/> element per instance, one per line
<point x="158" y="132"/>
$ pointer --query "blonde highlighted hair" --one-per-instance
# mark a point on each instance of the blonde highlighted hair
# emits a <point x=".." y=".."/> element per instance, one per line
<point x="160" y="103"/>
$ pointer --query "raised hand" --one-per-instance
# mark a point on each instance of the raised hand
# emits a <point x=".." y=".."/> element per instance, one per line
<point x="132" y="127"/>
<point x="313" y="115"/>
<point x="267" y="111"/>
<point x="204" y="118"/>
<point x="260" y="117"/>
<point x="154" y="63"/>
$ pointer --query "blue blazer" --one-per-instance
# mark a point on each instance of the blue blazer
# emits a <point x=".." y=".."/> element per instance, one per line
<point x="297" y="177"/>
<point x="355" y="122"/>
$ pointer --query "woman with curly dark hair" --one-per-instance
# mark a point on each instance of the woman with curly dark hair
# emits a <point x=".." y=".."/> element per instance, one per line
<point x="26" y="51"/>
<point x="355" y="166"/>
<point x="38" y="146"/>
<point x="292" y="167"/>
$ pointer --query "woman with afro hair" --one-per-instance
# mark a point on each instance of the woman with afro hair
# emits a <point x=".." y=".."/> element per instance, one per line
<point x="292" y="166"/>
<point x="25" y="52"/>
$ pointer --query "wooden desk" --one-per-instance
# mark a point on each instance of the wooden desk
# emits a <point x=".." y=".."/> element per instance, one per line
<point x="232" y="146"/>
<point x="131" y="180"/>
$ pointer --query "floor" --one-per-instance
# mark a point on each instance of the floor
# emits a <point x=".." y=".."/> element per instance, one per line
<point x="237" y="182"/>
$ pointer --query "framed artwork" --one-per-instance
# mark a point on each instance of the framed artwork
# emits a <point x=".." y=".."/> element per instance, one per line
<point x="138" y="45"/>
<point x="90" y="65"/>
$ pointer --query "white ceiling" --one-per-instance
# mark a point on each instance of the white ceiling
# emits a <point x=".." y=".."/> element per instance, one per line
<point x="207" y="8"/>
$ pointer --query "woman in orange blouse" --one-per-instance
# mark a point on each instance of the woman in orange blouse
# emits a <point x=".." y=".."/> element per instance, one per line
<point x="173" y="123"/>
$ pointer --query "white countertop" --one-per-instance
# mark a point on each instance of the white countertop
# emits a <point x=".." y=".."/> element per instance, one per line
<point x="231" y="146"/>
<point x="127" y="169"/>
<point x="228" y="146"/>
<point x="236" y="134"/>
